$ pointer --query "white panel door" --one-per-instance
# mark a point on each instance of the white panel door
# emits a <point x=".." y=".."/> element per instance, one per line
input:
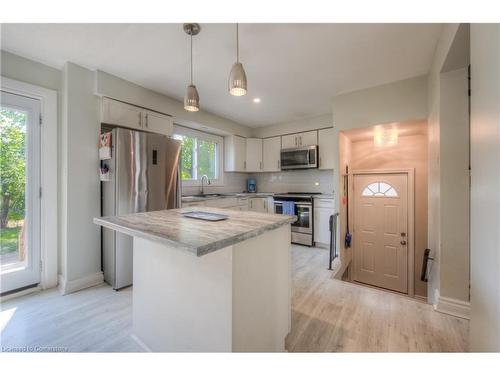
<point x="380" y="233"/>
<point x="308" y="138"/>
<point x="254" y="155"/>
<point x="20" y="192"/>
<point x="122" y="114"/>
<point x="271" y="154"/>
<point x="326" y="149"/>
<point x="158" y="123"/>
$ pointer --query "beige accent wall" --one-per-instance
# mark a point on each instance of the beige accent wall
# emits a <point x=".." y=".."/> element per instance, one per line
<point x="410" y="152"/>
<point x="400" y="101"/>
<point x="345" y="157"/>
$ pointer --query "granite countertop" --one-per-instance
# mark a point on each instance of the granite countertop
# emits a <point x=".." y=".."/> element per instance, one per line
<point x="194" y="198"/>
<point x="199" y="237"/>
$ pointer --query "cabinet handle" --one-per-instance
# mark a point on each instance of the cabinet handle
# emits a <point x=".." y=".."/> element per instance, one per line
<point x="245" y="165"/>
<point x="278" y="163"/>
<point x="265" y="204"/>
<point x="295" y="140"/>
<point x="260" y="165"/>
<point x="300" y="140"/>
<point x="140" y="119"/>
<point x="146" y="120"/>
<point x="319" y="164"/>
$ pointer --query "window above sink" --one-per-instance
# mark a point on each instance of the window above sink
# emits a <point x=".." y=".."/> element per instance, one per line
<point x="201" y="155"/>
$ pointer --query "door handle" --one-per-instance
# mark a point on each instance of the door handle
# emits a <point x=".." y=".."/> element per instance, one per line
<point x="403" y="242"/>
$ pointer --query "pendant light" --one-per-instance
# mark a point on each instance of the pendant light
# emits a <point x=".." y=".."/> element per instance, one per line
<point x="191" y="99"/>
<point x="237" y="77"/>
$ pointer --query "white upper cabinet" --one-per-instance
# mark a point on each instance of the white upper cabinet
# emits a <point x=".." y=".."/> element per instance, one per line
<point x="271" y="154"/>
<point x="326" y="148"/>
<point x="118" y="113"/>
<point x="289" y="141"/>
<point x="114" y="112"/>
<point x="157" y="122"/>
<point x="308" y="138"/>
<point x="300" y="140"/>
<point x="235" y="154"/>
<point x="254" y="155"/>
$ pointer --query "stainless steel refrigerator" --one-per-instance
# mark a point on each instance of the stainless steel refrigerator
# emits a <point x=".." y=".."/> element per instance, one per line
<point x="144" y="176"/>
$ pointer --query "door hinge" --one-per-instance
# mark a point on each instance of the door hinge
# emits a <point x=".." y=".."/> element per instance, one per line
<point x="40" y="192"/>
<point x="41" y="266"/>
<point x="41" y="120"/>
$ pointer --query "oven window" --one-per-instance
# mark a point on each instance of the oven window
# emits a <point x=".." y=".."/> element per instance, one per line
<point x="278" y="208"/>
<point x="292" y="158"/>
<point x="303" y="216"/>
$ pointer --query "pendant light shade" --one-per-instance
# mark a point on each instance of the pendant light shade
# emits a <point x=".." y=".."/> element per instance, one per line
<point x="237" y="77"/>
<point x="191" y="99"/>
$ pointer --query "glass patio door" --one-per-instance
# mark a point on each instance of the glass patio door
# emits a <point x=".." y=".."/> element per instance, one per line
<point x="19" y="192"/>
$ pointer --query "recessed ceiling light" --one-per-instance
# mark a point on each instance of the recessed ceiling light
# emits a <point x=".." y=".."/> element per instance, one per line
<point x="256" y="100"/>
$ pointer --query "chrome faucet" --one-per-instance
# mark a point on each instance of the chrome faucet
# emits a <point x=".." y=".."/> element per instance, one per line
<point x="202" y="179"/>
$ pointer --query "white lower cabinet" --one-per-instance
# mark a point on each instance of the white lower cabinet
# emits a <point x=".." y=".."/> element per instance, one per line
<point x="260" y="204"/>
<point x="323" y="209"/>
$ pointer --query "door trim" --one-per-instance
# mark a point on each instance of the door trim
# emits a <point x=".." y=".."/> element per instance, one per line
<point x="49" y="167"/>
<point x="410" y="172"/>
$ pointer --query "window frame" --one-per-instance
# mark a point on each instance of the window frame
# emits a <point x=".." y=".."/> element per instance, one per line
<point x="199" y="134"/>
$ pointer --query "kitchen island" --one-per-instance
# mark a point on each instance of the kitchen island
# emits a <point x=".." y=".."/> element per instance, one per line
<point x="202" y="286"/>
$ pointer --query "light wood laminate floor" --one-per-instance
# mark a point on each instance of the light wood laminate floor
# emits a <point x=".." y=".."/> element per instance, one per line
<point x="327" y="315"/>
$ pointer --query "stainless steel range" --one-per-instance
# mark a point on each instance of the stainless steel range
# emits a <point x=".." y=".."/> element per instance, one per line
<point x="303" y="228"/>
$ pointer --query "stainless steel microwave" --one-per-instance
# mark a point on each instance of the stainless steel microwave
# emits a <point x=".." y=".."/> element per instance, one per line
<point x="299" y="158"/>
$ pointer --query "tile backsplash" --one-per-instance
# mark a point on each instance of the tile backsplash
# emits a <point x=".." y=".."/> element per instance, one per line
<point x="314" y="181"/>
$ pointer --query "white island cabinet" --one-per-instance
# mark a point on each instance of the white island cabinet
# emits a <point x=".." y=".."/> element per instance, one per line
<point x="202" y="286"/>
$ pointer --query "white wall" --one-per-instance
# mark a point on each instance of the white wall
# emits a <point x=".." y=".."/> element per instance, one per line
<point x="80" y="185"/>
<point x="485" y="191"/>
<point x="454" y="186"/>
<point x="21" y="69"/>
<point x="448" y="218"/>
<point x="434" y="240"/>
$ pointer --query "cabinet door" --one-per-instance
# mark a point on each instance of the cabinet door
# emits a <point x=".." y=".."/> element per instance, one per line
<point x="158" y="123"/>
<point x="254" y="155"/>
<point x="322" y="225"/>
<point x="257" y="204"/>
<point x="289" y="141"/>
<point x="234" y="153"/>
<point x="308" y="138"/>
<point x="326" y="149"/>
<point x="118" y="113"/>
<point x="271" y="154"/>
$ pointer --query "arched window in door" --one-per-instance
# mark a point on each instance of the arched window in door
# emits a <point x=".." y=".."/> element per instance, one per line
<point x="379" y="189"/>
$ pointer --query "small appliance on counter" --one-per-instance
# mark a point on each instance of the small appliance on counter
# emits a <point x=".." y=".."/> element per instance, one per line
<point x="251" y="185"/>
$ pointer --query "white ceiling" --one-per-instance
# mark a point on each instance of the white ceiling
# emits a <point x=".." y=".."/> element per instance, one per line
<point x="296" y="69"/>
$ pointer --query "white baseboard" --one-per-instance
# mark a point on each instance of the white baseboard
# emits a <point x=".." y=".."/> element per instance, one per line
<point x="67" y="287"/>
<point x="452" y="306"/>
